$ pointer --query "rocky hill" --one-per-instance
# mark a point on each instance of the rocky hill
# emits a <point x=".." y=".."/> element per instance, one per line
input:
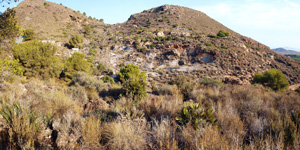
<point x="166" y="41"/>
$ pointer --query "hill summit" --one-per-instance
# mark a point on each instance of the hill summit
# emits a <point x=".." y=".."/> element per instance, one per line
<point x="165" y="41"/>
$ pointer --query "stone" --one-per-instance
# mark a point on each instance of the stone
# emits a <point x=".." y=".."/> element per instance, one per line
<point x="160" y="34"/>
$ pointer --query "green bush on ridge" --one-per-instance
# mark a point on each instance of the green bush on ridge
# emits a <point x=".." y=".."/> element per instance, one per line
<point x="222" y="33"/>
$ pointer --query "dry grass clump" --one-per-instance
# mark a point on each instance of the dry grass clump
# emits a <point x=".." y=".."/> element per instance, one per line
<point x="208" y="137"/>
<point x="167" y="104"/>
<point x="163" y="135"/>
<point x="91" y="133"/>
<point x="125" y="135"/>
<point x="127" y="108"/>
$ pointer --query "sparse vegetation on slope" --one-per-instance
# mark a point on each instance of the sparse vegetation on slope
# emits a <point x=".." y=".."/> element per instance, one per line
<point x="160" y="83"/>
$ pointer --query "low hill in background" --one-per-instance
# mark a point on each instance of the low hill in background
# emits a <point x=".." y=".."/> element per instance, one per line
<point x="284" y="51"/>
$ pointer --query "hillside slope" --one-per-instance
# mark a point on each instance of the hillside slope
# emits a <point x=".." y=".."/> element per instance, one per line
<point x="166" y="41"/>
<point x="51" y="21"/>
<point x="172" y="40"/>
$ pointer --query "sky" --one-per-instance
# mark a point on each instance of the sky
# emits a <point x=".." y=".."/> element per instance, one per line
<point x="275" y="23"/>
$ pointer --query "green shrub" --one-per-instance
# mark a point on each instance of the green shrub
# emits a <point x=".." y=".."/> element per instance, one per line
<point x="108" y="79"/>
<point x="38" y="59"/>
<point x="77" y="63"/>
<point x="28" y="34"/>
<point x="184" y="85"/>
<point x="101" y="68"/>
<point x="194" y="114"/>
<point x="112" y="38"/>
<point x="75" y="41"/>
<point x="133" y="81"/>
<point x="152" y="46"/>
<point x="90" y="60"/>
<point x="212" y="36"/>
<point x="87" y="30"/>
<point x="93" y="52"/>
<point x="210" y="82"/>
<point x="9" y="67"/>
<point x="272" y="78"/>
<point x="208" y="44"/>
<point x="222" y="33"/>
<point x="46" y="4"/>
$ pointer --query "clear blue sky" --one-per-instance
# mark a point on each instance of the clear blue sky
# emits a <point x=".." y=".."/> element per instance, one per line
<point x="275" y="23"/>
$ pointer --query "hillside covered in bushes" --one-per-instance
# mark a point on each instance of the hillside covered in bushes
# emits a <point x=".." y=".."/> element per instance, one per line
<point x="168" y="78"/>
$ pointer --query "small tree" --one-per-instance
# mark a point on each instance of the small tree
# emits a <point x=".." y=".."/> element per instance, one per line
<point x="28" y="34"/>
<point x="8" y="24"/>
<point x="133" y="81"/>
<point x="272" y="78"/>
<point x="75" y="41"/>
<point x="38" y="59"/>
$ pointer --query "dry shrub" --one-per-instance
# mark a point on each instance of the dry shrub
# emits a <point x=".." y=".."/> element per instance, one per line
<point x="205" y="95"/>
<point x="268" y="143"/>
<point x="164" y="135"/>
<point x="230" y="123"/>
<point x="12" y="92"/>
<point x="55" y="104"/>
<point x="208" y="137"/>
<point x="125" y="135"/>
<point x="78" y="94"/>
<point x="249" y="101"/>
<point x="162" y="106"/>
<point x="164" y="89"/>
<point x="127" y="108"/>
<point x="91" y="133"/>
<point x="87" y="81"/>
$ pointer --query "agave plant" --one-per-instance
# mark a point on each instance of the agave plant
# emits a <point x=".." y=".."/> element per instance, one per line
<point x="23" y="125"/>
<point x="194" y="114"/>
